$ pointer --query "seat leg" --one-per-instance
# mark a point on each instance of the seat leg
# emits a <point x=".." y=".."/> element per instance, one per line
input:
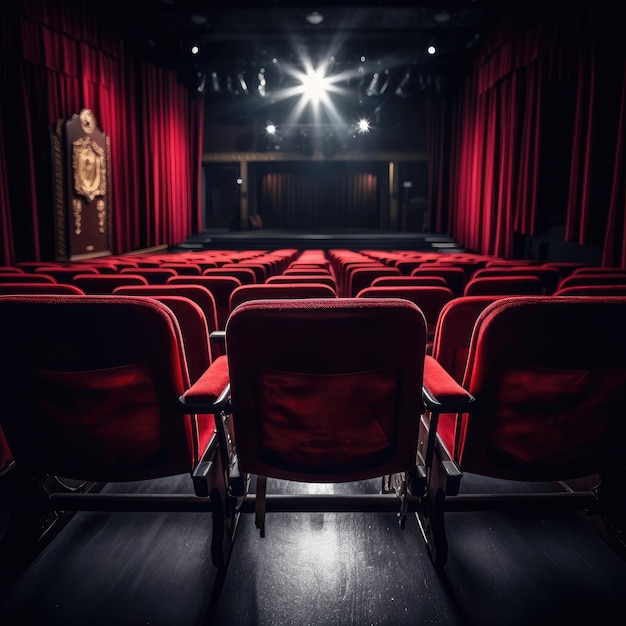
<point x="430" y="517"/>
<point x="225" y="518"/>
<point x="259" y="508"/>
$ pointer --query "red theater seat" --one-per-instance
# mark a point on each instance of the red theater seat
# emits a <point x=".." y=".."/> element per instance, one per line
<point x="198" y="294"/>
<point x="269" y="291"/>
<point x="455" y="276"/>
<point x="504" y="285"/>
<point x="26" y="277"/>
<point x="294" y="279"/>
<point x="49" y="288"/>
<point x="318" y="396"/>
<point x="430" y="300"/>
<point x="592" y="278"/>
<point x="89" y="389"/>
<point x="220" y="286"/>
<point x="154" y="275"/>
<point x="101" y="284"/>
<point x="453" y="332"/>
<point x="548" y="378"/>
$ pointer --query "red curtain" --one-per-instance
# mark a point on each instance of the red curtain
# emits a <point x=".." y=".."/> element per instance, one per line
<point x="58" y="58"/>
<point x="538" y="135"/>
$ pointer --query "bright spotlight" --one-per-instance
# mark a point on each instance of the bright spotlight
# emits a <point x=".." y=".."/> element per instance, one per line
<point x="364" y="126"/>
<point x="431" y="50"/>
<point x="314" y="85"/>
<point x="270" y="129"/>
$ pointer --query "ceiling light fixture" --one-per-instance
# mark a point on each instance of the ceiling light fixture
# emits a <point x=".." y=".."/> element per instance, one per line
<point x="314" y="18"/>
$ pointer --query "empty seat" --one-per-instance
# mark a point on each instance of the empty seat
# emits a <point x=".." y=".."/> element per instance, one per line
<point x="153" y="275"/>
<point x="88" y="391"/>
<point x="182" y="268"/>
<point x="430" y="300"/>
<point x="64" y="273"/>
<point x="517" y="284"/>
<point x="220" y="286"/>
<point x="26" y="277"/>
<point x="453" y="332"/>
<point x="293" y="279"/>
<point x="455" y="276"/>
<point x="101" y="284"/>
<point x="360" y="277"/>
<point x="409" y="281"/>
<point x="317" y="396"/>
<point x="49" y="288"/>
<point x="547" y="376"/>
<point x="592" y="278"/>
<point x="549" y="276"/>
<point x="269" y="291"/>
<point x="592" y="290"/>
<point x="245" y="275"/>
<point x="196" y="293"/>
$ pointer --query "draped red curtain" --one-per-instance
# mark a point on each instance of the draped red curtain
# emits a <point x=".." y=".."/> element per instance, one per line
<point x="537" y="139"/>
<point x="61" y="57"/>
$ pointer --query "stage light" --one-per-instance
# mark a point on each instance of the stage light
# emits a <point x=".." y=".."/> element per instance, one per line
<point x="431" y="50"/>
<point x="242" y="83"/>
<point x="195" y="50"/>
<point x="364" y="126"/>
<point x="270" y="129"/>
<point x="262" y="83"/>
<point x="315" y="85"/>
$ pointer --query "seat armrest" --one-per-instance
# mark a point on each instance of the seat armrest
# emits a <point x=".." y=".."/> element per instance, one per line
<point x="440" y="392"/>
<point x="210" y="391"/>
<point x="218" y="337"/>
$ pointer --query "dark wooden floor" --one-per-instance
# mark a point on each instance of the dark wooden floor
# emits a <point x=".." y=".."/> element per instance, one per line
<point x="321" y="568"/>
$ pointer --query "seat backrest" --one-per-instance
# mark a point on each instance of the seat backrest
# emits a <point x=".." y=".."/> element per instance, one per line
<point x="549" y="378"/>
<point x="454" y="331"/>
<point x="194" y="330"/>
<point x="409" y="281"/>
<point x="518" y="284"/>
<point x="26" y="277"/>
<point x="319" y="395"/>
<point x="592" y="290"/>
<point x="197" y="293"/>
<point x="153" y="275"/>
<point x="361" y="277"/>
<point x="50" y="288"/>
<point x="455" y="276"/>
<point x="292" y="279"/>
<point x="269" y="291"/>
<point x="182" y="268"/>
<point x="549" y="276"/>
<point x="430" y="300"/>
<point x="220" y="286"/>
<point x="64" y="273"/>
<point x="89" y="387"/>
<point x="593" y="278"/>
<point x="246" y="275"/>
<point x="102" y="284"/>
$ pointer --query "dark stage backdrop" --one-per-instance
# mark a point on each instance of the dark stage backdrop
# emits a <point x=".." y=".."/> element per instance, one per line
<point x="321" y="196"/>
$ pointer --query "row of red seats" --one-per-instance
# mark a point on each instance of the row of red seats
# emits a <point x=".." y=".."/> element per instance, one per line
<point x="93" y="388"/>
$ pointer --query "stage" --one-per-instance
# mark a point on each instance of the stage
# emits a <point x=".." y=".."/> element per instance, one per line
<point x="352" y="239"/>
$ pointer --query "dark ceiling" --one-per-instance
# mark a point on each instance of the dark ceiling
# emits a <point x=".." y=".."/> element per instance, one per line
<point x="252" y="55"/>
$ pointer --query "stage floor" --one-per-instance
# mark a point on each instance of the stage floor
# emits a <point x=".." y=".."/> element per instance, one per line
<point x="353" y="239"/>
